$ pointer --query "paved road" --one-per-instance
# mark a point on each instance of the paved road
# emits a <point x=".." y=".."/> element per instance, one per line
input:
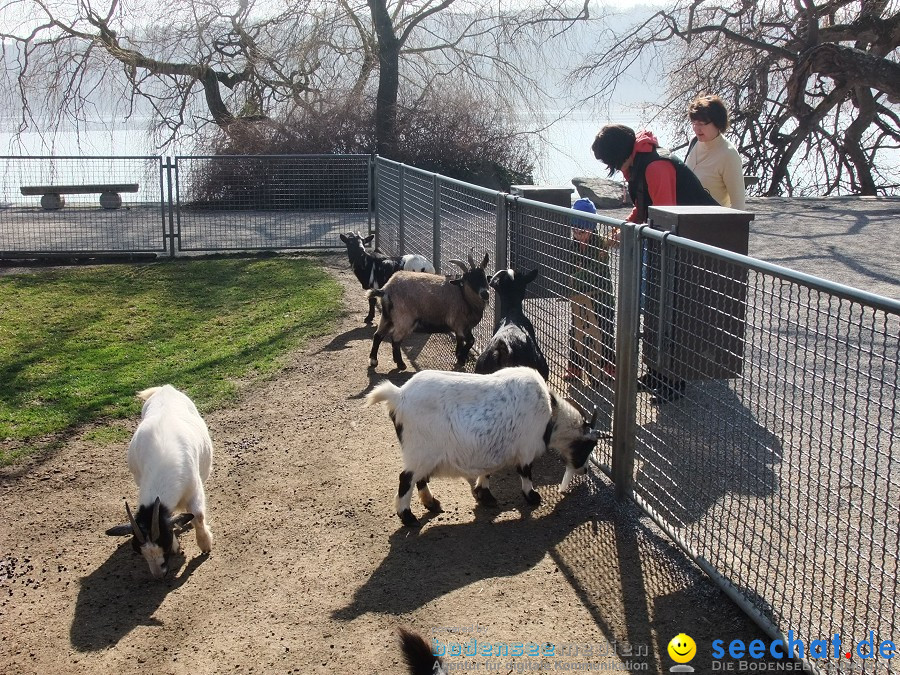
<point x="851" y="240"/>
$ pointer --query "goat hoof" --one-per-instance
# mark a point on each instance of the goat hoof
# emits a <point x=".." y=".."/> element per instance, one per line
<point x="373" y="363"/>
<point x="408" y="518"/>
<point x="368" y="319"/>
<point x="484" y="497"/>
<point x="434" y="506"/>
<point x="533" y="498"/>
<point x="401" y="366"/>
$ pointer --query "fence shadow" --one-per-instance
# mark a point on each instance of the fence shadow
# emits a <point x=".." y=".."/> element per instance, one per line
<point x="701" y="448"/>
<point x="640" y="592"/>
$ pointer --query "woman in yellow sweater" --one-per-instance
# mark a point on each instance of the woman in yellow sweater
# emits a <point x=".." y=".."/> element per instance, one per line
<point x="712" y="157"/>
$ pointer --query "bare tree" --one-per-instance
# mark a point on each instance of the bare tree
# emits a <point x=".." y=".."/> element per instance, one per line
<point x="190" y="63"/>
<point x="461" y="43"/>
<point x="231" y="63"/>
<point x="813" y="88"/>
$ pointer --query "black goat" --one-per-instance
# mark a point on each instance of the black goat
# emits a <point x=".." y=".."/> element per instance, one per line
<point x="373" y="269"/>
<point x="514" y="343"/>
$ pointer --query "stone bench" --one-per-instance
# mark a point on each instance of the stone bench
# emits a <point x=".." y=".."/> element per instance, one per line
<point x="52" y="195"/>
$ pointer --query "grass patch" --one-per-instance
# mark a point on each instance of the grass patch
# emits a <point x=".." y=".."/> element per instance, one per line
<point x="77" y="343"/>
<point x="109" y="435"/>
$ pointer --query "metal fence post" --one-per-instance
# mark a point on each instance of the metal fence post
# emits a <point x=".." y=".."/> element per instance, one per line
<point x="376" y="179"/>
<point x="170" y="168"/>
<point x="401" y="234"/>
<point x="371" y="189"/>
<point x="501" y="236"/>
<point x="627" y="340"/>
<point x="436" y="223"/>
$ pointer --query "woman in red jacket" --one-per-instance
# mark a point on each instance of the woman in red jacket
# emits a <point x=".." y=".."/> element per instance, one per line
<point x="654" y="178"/>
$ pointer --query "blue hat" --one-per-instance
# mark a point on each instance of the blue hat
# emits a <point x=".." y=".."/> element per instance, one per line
<point x="586" y="205"/>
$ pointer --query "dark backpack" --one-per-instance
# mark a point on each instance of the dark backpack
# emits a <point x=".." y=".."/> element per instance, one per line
<point x="689" y="191"/>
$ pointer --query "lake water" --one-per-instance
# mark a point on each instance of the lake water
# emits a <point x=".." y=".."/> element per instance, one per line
<point x="565" y="145"/>
<point x="566" y="148"/>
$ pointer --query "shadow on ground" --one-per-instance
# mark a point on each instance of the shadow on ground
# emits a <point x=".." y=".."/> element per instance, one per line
<point x="120" y="595"/>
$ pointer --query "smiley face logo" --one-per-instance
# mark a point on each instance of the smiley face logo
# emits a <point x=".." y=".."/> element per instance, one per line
<point x="682" y="648"/>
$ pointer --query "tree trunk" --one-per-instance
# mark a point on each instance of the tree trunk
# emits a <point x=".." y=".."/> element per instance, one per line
<point x="388" y="80"/>
<point x="853" y="141"/>
<point x="854" y="66"/>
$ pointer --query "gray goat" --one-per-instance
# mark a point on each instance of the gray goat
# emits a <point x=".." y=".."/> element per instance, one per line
<point x="434" y="303"/>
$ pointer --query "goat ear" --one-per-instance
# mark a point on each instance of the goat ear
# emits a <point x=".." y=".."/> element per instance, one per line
<point x="457" y="282"/>
<point x="368" y="240"/>
<point x="343" y="238"/>
<point x="485" y="261"/>
<point x="532" y="275"/>
<point x="120" y="530"/>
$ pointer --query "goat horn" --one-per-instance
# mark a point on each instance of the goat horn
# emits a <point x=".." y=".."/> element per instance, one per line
<point x="460" y="264"/>
<point x="134" y="527"/>
<point x="593" y="418"/>
<point x="154" y="527"/>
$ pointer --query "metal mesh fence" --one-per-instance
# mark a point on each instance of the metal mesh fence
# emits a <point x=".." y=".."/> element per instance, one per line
<point x="468" y="226"/>
<point x="778" y="466"/>
<point x="766" y="441"/>
<point x="264" y="202"/>
<point x="572" y="302"/>
<point x="387" y="199"/>
<point x="418" y="213"/>
<point x="62" y="212"/>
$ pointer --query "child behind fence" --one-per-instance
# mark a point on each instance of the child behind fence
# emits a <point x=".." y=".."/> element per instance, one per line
<point x="592" y="301"/>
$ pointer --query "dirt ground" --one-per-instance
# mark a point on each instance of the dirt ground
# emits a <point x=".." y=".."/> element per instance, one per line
<point x="311" y="571"/>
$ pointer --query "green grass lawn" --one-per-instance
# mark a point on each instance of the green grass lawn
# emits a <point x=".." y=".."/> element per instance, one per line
<point x="77" y="343"/>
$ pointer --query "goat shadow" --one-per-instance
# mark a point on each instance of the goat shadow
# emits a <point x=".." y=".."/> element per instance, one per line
<point x="120" y="595"/>
<point x="408" y="578"/>
<point x="342" y="341"/>
<point x="421" y="351"/>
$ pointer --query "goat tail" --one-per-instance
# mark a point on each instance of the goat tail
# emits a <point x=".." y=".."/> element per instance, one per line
<point x="418" y="656"/>
<point x="147" y="393"/>
<point x="375" y="293"/>
<point x="387" y="392"/>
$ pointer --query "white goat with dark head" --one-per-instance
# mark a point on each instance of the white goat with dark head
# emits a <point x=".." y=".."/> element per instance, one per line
<point x="434" y="303"/>
<point x="514" y="343"/>
<point x="374" y="268"/>
<point x="467" y="425"/>
<point x="170" y="457"/>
